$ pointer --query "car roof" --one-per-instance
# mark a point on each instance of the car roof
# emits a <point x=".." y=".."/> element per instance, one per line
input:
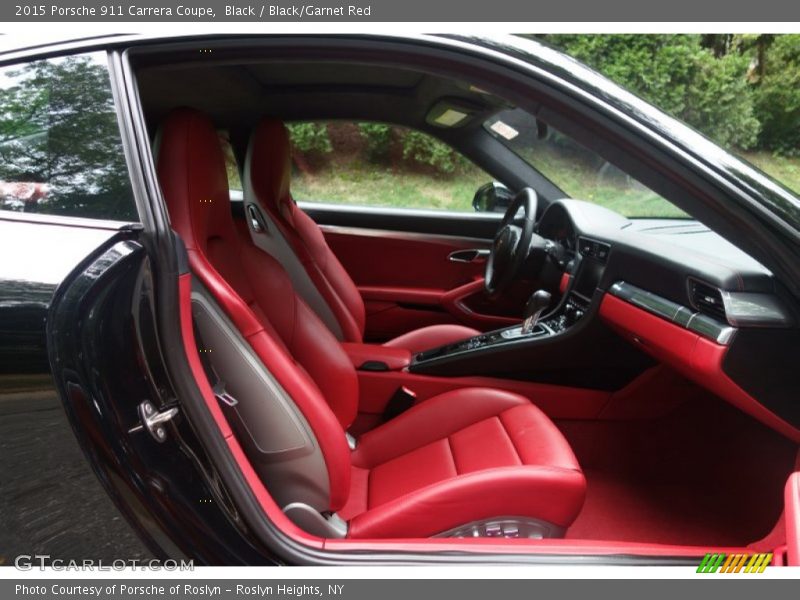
<point x="535" y="53"/>
<point x="24" y="43"/>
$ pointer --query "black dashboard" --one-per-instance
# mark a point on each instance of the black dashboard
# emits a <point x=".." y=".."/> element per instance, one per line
<point x="657" y="254"/>
<point x="695" y="280"/>
<point x="675" y="280"/>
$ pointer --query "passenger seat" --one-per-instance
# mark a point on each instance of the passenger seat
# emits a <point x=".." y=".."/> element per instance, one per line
<point x="470" y="462"/>
<point x="298" y="243"/>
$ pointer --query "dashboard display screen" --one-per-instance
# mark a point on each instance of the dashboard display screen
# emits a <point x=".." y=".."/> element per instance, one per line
<point x="588" y="278"/>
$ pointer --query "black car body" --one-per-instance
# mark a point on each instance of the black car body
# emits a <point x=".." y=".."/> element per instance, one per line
<point x="89" y="301"/>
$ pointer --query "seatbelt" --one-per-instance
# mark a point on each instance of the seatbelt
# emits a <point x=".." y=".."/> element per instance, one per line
<point x="217" y="384"/>
<point x="403" y="399"/>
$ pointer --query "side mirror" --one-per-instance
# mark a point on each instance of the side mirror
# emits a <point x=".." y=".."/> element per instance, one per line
<point x="492" y="197"/>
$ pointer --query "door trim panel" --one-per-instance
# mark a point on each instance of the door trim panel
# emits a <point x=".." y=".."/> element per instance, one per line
<point x="394" y="307"/>
<point x="463" y="225"/>
<point x="393" y="234"/>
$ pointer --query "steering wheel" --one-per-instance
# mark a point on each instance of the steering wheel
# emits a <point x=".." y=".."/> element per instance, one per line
<point x="512" y="243"/>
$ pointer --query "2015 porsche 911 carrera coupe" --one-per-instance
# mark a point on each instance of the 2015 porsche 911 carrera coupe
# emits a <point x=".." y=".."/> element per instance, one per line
<point x="594" y="362"/>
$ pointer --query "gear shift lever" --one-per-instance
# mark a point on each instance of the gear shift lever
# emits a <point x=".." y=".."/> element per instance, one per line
<point x="537" y="304"/>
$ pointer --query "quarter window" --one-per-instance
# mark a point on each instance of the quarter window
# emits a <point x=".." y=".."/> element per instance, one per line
<point x="60" y="146"/>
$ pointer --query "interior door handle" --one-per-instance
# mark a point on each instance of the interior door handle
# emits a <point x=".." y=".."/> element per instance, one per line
<point x="468" y="256"/>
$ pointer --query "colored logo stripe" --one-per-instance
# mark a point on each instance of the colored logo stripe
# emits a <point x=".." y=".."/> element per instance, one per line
<point x="735" y="563"/>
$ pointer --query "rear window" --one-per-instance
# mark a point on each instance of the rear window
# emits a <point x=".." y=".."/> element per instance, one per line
<point x="60" y="146"/>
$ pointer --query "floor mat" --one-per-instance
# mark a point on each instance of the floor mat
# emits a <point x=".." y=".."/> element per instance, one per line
<point x="706" y="474"/>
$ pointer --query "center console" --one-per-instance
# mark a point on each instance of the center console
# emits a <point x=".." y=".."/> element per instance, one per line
<point x="572" y="310"/>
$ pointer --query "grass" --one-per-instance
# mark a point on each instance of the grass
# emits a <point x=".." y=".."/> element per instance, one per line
<point x="784" y="169"/>
<point x="375" y="186"/>
<point x="368" y="185"/>
<point x="604" y="184"/>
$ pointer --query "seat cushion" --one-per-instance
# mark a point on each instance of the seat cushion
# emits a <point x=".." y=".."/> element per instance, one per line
<point x="463" y="456"/>
<point x="432" y="336"/>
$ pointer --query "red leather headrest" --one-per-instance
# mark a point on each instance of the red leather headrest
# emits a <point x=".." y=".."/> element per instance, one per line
<point x="191" y="170"/>
<point x="270" y="166"/>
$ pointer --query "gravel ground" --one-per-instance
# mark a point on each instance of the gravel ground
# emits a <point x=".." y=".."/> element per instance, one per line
<point x="50" y="500"/>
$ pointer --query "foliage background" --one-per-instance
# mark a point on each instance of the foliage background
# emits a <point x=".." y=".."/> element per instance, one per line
<point x="742" y="91"/>
<point x="58" y="128"/>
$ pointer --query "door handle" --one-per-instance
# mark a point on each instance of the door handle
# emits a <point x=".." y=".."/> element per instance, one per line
<point x="468" y="256"/>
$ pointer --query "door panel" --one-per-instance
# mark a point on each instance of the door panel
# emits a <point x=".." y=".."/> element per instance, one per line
<point x="482" y="226"/>
<point x="390" y="259"/>
<point x="106" y="358"/>
<point x="410" y="280"/>
<point x="51" y="503"/>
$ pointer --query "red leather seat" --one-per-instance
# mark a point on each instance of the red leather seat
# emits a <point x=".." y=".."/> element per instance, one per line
<point x="460" y="457"/>
<point x="268" y="171"/>
<point x="468" y="455"/>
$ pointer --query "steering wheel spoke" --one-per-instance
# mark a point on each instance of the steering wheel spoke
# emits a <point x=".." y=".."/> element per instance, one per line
<point x="511" y="243"/>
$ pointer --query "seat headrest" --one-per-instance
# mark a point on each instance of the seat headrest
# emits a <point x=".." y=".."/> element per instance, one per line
<point x="194" y="181"/>
<point x="268" y="167"/>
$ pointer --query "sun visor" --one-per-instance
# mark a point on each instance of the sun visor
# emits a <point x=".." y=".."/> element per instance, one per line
<point x="452" y="112"/>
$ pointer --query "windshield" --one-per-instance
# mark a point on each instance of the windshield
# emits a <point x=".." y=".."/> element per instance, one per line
<point x="581" y="173"/>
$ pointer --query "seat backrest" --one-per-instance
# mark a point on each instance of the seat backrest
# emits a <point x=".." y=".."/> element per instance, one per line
<point x="256" y="292"/>
<point x="268" y="169"/>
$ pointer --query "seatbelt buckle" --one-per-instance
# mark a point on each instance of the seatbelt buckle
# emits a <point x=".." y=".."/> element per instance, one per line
<point x="403" y="399"/>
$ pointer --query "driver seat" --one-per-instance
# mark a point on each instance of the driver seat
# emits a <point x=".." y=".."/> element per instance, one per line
<point x="300" y="246"/>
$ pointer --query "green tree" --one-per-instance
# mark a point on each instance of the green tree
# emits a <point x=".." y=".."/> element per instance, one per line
<point x="777" y="95"/>
<point x="310" y="137"/>
<point x="704" y="86"/>
<point x="58" y="126"/>
<point x="426" y="150"/>
<point x="379" y="140"/>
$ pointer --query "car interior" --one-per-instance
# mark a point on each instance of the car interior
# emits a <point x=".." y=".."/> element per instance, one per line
<point x="541" y="374"/>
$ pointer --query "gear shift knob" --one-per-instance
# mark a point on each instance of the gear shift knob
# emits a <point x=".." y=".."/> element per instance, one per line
<point x="537" y="304"/>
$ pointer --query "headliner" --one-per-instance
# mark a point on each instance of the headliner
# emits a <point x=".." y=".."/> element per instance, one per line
<point x="238" y="95"/>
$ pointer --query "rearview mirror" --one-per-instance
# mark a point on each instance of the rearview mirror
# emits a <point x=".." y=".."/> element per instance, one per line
<point x="542" y="130"/>
<point x="492" y="197"/>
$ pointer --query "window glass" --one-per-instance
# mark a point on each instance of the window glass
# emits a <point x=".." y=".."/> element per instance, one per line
<point x="231" y="166"/>
<point x="373" y="164"/>
<point x="60" y="146"/>
<point x="581" y="173"/>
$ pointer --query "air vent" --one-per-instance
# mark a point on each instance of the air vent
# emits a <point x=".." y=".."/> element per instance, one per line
<point x="707" y="299"/>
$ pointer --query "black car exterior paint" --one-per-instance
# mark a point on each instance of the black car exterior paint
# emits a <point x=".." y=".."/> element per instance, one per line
<point x="51" y="502"/>
<point x="105" y="354"/>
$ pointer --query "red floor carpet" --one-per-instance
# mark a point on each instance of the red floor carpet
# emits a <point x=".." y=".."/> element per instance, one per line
<point x="705" y="474"/>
